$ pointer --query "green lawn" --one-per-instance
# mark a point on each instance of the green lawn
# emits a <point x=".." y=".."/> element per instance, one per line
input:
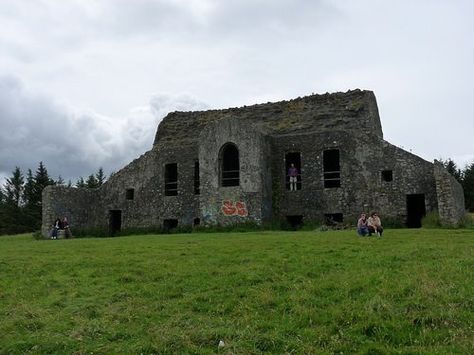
<point x="277" y="292"/>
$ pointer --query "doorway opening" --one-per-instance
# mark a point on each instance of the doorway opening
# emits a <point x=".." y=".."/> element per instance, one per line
<point x="416" y="210"/>
<point x="170" y="224"/>
<point x="115" y="221"/>
<point x="293" y="160"/>
<point x="295" y="222"/>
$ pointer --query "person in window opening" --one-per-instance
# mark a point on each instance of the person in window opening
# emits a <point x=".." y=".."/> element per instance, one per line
<point x="293" y="174"/>
<point x="374" y="224"/>
<point x="362" y="226"/>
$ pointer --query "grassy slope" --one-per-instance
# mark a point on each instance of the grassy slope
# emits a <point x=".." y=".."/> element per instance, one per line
<point x="302" y="292"/>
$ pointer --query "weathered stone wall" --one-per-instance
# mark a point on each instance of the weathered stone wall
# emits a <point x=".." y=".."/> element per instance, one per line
<point x="450" y="194"/>
<point x="363" y="157"/>
<point x="79" y="205"/>
<point x="254" y="192"/>
<point x="354" y="110"/>
<point x="263" y="134"/>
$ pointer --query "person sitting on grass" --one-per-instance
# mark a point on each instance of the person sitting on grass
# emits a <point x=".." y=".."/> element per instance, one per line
<point x="374" y="224"/>
<point x="362" y="227"/>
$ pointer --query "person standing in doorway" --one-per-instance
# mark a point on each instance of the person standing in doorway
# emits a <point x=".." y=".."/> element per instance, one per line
<point x="293" y="174"/>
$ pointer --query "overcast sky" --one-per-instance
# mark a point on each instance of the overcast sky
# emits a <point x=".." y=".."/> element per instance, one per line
<point x="84" y="83"/>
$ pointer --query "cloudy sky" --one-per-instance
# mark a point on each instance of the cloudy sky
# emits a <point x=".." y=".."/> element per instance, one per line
<point x="84" y="83"/>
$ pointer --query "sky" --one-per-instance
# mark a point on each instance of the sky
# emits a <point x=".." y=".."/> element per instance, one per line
<point x="84" y="83"/>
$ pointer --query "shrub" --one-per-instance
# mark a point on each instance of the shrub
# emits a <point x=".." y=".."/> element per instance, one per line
<point x="431" y="220"/>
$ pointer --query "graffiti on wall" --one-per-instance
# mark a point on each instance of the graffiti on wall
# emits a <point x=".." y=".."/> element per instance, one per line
<point x="231" y="208"/>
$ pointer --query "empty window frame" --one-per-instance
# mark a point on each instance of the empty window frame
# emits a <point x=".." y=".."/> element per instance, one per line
<point x="196" y="221"/>
<point x="387" y="175"/>
<point x="293" y="160"/>
<point x="331" y="168"/>
<point x="129" y="194"/>
<point x="171" y="179"/>
<point x="230" y="165"/>
<point x="197" y="184"/>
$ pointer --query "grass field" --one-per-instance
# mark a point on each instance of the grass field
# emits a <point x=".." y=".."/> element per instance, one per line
<point x="277" y="292"/>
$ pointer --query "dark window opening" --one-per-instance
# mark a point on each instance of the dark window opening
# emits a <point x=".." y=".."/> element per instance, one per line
<point x="331" y="168"/>
<point x="295" y="222"/>
<point x="197" y="221"/>
<point x="171" y="179"/>
<point x="416" y="210"/>
<point x="115" y="221"/>
<point x="170" y="224"/>
<point x="387" y="175"/>
<point x="333" y="219"/>
<point x="130" y="194"/>
<point x="293" y="161"/>
<point x="230" y="166"/>
<point x="197" y="183"/>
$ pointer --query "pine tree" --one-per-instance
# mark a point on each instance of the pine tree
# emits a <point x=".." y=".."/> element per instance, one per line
<point x="468" y="185"/>
<point x="29" y="190"/>
<point x="42" y="180"/>
<point x="14" y="188"/>
<point x="100" y="177"/>
<point x="91" y="182"/>
<point x="453" y="169"/>
<point x="60" y="181"/>
<point x="80" y="182"/>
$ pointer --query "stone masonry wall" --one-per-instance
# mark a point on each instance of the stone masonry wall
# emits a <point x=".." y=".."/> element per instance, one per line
<point x="451" y="206"/>
<point x="253" y="196"/>
<point x="79" y="205"/>
<point x="363" y="157"/>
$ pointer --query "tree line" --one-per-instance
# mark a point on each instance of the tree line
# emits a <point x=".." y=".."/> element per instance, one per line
<point x="20" y="197"/>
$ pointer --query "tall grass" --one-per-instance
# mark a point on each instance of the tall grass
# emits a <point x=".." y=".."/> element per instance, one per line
<point x="260" y="292"/>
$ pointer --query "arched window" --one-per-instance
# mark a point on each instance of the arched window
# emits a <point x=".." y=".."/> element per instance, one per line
<point x="229" y="165"/>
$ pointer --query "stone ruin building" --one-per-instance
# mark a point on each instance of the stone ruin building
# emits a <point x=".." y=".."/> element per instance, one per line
<point x="230" y="166"/>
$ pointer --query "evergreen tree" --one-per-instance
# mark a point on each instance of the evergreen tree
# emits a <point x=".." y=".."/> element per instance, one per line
<point x="100" y="177"/>
<point x="14" y="187"/>
<point x="453" y="169"/>
<point x="91" y="182"/>
<point x="59" y="181"/>
<point x="468" y="185"/>
<point x="29" y="190"/>
<point x="80" y="182"/>
<point x="42" y="180"/>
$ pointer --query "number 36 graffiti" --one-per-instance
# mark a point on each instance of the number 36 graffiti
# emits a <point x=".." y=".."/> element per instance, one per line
<point x="229" y="208"/>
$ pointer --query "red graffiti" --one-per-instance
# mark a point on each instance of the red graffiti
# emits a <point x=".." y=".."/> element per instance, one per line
<point x="230" y="209"/>
<point x="241" y="209"/>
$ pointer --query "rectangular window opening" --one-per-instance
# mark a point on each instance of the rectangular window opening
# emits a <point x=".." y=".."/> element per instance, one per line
<point x="197" y="183"/>
<point x="331" y="168"/>
<point x="387" y="175"/>
<point x="130" y="194"/>
<point x="171" y="179"/>
<point x="293" y="171"/>
<point x="197" y="221"/>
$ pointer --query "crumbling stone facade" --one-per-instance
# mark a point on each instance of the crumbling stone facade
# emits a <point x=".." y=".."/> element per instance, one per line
<point x="230" y="166"/>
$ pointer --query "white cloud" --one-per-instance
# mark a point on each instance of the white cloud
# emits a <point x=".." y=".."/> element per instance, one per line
<point x="71" y="142"/>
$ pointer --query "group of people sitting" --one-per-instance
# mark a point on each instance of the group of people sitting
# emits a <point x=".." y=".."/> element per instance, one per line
<point x="368" y="226"/>
<point x="61" y="225"/>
